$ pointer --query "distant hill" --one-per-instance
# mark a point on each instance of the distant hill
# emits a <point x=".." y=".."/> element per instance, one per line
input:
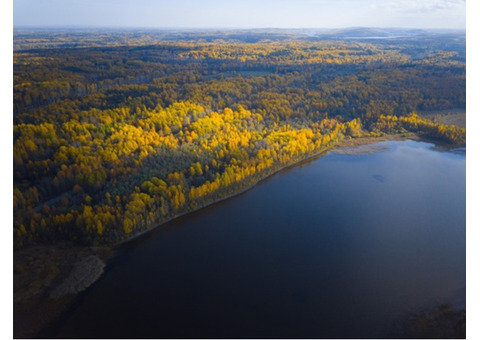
<point x="371" y="33"/>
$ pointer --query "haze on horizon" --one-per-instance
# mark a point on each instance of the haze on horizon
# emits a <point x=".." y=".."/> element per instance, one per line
<point x="444" y="14"/>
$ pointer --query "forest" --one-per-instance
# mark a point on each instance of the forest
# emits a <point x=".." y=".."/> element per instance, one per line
<point x="115" y="132"/>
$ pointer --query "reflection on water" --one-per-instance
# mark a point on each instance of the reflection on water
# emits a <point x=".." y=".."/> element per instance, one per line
<point x="344" y="246"/>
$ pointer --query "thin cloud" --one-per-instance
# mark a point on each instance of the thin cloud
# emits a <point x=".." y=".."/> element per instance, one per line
<point x="242" y="13"/>
<point x="422" y="6"/>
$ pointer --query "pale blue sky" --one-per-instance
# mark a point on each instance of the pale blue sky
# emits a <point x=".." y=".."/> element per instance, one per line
<point x="241" y="14"/>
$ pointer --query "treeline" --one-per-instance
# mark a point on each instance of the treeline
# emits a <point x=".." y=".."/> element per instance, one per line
<point x="447" y="133"/>
<point x="110" y="141"/>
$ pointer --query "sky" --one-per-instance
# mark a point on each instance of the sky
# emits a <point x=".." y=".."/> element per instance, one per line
<point x="241" y="13"/>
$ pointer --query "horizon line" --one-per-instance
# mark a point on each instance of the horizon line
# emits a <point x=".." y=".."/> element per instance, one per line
<point x="230" y="28"/>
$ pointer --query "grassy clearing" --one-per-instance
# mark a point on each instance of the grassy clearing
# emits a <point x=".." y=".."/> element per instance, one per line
<point x="447" y="117"/>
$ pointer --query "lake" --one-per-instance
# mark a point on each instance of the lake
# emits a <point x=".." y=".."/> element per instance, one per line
<point x="346" y="245"/>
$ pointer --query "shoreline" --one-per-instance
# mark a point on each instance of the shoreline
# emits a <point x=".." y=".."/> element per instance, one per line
<point x="48" y="278"/>
<point x="219" y="200"/>
<point x="69" y="270"/>
<point x="343" y="143"/>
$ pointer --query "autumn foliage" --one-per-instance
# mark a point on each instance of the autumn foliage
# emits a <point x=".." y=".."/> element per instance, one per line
<point x="108" y="142"/>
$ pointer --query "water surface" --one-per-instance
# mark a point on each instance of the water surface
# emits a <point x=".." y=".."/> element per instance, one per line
<point x="343" y="246"/>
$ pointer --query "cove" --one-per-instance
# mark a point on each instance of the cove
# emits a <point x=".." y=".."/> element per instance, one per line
<point x="343" y="246"/>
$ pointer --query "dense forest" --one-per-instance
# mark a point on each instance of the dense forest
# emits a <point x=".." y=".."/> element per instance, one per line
<point x="115" y="132"/>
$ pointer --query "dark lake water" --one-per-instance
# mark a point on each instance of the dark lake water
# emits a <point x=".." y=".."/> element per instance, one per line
<point x="343" y="246"/>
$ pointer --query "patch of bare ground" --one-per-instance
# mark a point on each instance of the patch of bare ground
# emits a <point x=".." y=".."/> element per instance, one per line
<point x="447" y="117"/>
<point x="366" y="145"/>
<point x="46" y="280"/>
